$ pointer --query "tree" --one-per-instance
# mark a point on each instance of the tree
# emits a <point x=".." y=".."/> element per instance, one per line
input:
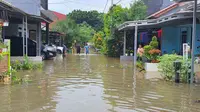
<point x="98" y="39"/>
<point x="93" y="18"/>
<point x="81" y="32"/>
<point x="137" y="11"/>
<point x="69" y="28"/>
<point x="119" y="15"/>
<point x="86" y="32"/>
<point x="112" y="44"/>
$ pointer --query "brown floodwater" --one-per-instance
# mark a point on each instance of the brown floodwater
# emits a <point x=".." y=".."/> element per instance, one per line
<point x="95" y="84"/>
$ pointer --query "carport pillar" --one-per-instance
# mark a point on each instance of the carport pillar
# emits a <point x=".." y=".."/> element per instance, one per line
<point x="124" y="52"/>
<point x="193" y="40"/>
<point x="26" y="36"/>
<point x="38" y="39"/>
<point x="23" y="36"/>
<point x="47" y="33"/>
<point x="135" y="46"/>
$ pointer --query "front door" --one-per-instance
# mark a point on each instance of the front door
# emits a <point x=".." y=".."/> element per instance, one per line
<point x="184" y="33"/>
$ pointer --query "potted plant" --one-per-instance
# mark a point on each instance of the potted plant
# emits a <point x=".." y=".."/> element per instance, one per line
<point x="154" y="53"/>
<point x="127" y="52"/>
<point x="131" y="52"/>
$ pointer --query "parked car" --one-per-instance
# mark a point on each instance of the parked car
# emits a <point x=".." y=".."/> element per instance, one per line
<point x="48" y="51"/>
<point x="60" y="50"/>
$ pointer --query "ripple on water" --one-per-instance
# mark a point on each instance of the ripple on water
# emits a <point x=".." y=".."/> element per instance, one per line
<point x="95" y="84"/>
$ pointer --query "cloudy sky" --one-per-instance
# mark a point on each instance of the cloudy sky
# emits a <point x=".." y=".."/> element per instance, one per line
<point x="66" y="6"/>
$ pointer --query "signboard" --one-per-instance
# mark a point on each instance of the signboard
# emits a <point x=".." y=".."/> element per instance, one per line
<point x="186" y="49"/>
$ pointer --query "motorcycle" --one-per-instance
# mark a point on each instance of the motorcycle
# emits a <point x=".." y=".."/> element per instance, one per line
<point x="48" y="51"/>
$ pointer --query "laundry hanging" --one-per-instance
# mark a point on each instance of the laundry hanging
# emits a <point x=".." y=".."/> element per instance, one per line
<point x="159" y="33"/>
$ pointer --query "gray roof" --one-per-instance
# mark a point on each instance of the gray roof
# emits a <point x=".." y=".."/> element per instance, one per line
<point x="49" y="15"/>
<point x="184" y="13"/>
<point x="177" y="18"/>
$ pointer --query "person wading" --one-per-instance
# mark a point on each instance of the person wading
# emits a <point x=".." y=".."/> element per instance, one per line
<point x="140" y="52"/>
<point x="78" y="49"/>
<point x="86" y="49"/>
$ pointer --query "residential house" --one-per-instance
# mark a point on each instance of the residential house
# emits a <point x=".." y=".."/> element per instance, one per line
<point x="156" y="5"/>
<point x="25" y="31"/>
<point x="174" y="23"/>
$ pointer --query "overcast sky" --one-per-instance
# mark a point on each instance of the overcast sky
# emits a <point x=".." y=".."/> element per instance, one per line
<point x="66" y="6"/>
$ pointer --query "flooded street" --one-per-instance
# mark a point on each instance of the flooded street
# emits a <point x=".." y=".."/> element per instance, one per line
<point x="95" y="84"/>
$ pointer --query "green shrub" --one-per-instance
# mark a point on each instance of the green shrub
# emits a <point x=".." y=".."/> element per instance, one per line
<point x="26" y="65"/>
<point x="167" y="69"/>
<point x="154" y="42"/>
<point x="147" y="48"/>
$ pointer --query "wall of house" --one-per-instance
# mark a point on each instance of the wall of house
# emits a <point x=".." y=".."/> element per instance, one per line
<point x="11" y="30"/>
<point x="197" y="51"/>
<point x="171" y="38"/>
<point x="29" y="6"/>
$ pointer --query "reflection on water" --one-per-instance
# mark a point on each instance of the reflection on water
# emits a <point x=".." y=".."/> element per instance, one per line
<point x="95" y="84"/>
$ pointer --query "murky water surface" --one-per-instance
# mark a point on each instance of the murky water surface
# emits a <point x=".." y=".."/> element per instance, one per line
<point x="95" y="84"/>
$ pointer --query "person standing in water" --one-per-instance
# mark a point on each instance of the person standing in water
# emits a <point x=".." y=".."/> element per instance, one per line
<point x="78" y="49"/>
<point x="86" y="49"/>
<point x="140" y="52"/>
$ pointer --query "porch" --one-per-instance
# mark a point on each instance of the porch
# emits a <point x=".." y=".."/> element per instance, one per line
<point x="24" y="31"/>
<point x="176" y="29"/>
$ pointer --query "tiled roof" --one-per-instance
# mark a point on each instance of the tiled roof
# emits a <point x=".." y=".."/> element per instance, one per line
<point x="59" y="15"/>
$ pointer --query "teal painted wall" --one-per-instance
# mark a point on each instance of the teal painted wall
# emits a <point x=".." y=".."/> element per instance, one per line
<point x="197" y="51"/>
<point x="171" y="38"/>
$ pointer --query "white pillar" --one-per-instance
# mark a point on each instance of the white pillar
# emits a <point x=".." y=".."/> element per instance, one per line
<point x="124" y="43"/>
<point x="23" y="36"/>
<point x="26" y="36"/>
<point x="135" y="46"/>
<point x="40" y="39"/>
<point x="37" y="40"/>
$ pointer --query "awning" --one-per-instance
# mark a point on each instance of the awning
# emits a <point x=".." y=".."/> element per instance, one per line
<point x="179" y="18"/>
<point x="38" y="18"/>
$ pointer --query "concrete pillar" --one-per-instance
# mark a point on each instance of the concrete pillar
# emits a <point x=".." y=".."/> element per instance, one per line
<point x="39" y="39"/>
<point x="135" y="46"/>
<point x="23" y="36"/>
<point x="47" y="33"/>
<point x="26" y="36"/>
<point x="124" y="42"/>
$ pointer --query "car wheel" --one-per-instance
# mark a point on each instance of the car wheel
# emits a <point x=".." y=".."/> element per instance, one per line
<point x="43" y="56"/>
<point x="59" y="52"/>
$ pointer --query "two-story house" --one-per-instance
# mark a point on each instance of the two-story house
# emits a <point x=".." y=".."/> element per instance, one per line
<point x="156" y="5"/>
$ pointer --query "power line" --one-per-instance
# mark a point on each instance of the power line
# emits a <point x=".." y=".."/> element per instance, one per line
<point x="105" y="6"/>
<point x="118" y="1"/>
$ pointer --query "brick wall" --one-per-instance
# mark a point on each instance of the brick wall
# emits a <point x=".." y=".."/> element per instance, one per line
<point x="4" y="64"/>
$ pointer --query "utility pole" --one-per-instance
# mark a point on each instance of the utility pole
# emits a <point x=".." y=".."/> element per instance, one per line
<point x="193" y="40"/>
<point x="111" y="17"/>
